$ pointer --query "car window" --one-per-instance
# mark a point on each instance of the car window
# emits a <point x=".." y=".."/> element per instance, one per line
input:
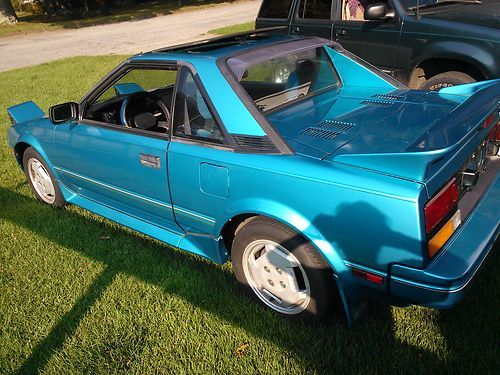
<point x="354" y="10"/>
<point x="315" y="9"/>
<point x="275" y="9"/>
<point x="192" y="116"/>
<point x="141" y="98"/>
<point x="139" y="80"/>
<point x="277" y="81"/>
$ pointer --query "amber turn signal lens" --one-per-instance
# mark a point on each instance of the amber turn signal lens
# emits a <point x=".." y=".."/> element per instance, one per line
<point x="444" y="234"/>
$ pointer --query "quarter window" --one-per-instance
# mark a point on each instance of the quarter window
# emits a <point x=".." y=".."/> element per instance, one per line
<point x="315" y="9"/>
<point x="192" y="116"/>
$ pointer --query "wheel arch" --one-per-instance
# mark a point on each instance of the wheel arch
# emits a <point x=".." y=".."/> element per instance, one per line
<point x="285" y="215"/>
<point x="26" y="141"/>
<point x="19" y="150"/>
<point x="295" y="221"/>
<point x="462" y="57"/>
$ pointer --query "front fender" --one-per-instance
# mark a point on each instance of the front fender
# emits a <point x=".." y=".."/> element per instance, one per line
<point x="41" y="142"/>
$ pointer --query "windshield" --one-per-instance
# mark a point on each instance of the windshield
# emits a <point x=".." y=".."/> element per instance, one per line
<point x="274" y="81"/>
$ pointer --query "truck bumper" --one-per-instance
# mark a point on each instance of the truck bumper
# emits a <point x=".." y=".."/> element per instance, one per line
<point x="443" y="283"/>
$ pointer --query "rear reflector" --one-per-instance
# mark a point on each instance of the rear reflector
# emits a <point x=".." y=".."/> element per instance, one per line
<point x="444" y="234"/>
<point x="439" y="206"/>
<point x="377" y="279"/>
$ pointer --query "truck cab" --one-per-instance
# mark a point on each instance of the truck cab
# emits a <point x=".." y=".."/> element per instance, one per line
<point x="429" y="44"/>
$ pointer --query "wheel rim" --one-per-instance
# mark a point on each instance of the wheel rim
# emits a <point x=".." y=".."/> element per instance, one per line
<point x="276" y="277"/>
<point x="41" y="181"/>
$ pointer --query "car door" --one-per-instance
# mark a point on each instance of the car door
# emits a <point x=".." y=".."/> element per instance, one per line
<point x="374" y="41"/>
<point x="313" y="17"/>
<point x="199" y="178"/>
<point x="116" y="165"/>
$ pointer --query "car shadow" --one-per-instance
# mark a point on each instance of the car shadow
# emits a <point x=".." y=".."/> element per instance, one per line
<point x="322" y="348"/>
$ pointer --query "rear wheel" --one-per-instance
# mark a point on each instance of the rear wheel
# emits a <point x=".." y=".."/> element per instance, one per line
<point x="282" y="270"/>
<point x="41" y="180"/>
<point x="446" y="79"/>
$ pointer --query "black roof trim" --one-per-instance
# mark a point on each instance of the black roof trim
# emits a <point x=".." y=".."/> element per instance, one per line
<point x="230" y="38"/>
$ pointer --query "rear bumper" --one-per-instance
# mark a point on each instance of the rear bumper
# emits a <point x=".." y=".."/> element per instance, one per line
<point x="443" y="283"/>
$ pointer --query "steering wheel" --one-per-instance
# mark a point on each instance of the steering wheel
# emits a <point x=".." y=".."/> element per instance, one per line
<point x="144" y="110"/>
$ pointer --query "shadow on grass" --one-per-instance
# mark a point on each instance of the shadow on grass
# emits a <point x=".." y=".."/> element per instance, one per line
<point x="371" y="345"/>
<point x="134" y="12"/>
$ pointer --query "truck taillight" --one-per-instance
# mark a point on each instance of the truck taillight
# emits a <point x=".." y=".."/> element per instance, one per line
<point x="441" y="205"/>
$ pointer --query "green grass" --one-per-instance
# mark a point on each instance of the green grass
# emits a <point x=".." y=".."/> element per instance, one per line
<point x="32" y="23"/>
<point x="233" y="28"/>
<point x="80" y="294"/>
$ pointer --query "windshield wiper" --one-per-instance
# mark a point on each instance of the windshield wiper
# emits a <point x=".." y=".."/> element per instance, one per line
<point x="444" y="2"/>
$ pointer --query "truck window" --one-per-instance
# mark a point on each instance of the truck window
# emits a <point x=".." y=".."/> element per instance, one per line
<point x="354" y="10"/>
<point x="315" y="9"/>
<point x="275" y="9"/>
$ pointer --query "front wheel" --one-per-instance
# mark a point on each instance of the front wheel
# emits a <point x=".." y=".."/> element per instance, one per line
<point x="41" y="180"/>
<point x="282" y="270"/>
<point x="446" y="79"/>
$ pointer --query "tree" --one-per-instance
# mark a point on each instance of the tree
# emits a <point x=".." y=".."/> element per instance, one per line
<point x="7" y="13"/>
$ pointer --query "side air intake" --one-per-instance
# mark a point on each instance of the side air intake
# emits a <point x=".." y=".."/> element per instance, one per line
<point x="246" y="143"/>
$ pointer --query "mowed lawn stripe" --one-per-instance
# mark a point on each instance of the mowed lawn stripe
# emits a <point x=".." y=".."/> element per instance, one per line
<point x="81" y="294"/>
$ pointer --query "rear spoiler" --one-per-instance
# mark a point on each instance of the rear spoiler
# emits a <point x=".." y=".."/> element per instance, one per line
<point x="431" y="152"/>
<point x="23" y="112"/>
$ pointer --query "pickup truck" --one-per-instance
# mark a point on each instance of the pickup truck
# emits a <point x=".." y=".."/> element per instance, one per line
<point x="425" y="44"/>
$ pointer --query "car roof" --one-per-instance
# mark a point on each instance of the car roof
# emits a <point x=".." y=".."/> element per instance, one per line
<point x="219" y="47"/>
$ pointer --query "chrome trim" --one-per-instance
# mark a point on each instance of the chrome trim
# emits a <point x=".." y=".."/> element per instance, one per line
<point x="114" y="188"/>
<point x="184" y="211"/>
<point x="175" y="208"/>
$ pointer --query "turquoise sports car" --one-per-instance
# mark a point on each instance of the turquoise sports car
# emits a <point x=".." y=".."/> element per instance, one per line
<point x="323" y="180"/>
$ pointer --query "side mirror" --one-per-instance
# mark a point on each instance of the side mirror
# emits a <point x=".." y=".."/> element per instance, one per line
<point x="63" y="112"/>
<point x="378" y="12"/>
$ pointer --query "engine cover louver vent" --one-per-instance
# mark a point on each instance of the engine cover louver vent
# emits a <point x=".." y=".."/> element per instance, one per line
<point x="246" y="143"/>
<point x="382" y="103"/>
<point x="388" y="96"/>
<point x="319" y="133"/>
<point x="336" y="125"/>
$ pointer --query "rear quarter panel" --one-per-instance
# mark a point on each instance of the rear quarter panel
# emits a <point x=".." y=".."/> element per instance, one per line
<point x="351" y="215"/>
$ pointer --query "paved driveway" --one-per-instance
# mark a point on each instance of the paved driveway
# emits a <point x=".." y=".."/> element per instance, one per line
<point x="122" y="38"/>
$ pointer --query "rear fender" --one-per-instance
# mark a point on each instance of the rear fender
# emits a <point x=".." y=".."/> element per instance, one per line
<point x="350" y="298"/>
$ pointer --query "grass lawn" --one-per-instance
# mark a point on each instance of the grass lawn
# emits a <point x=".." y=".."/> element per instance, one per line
<point x="31" y="23"/>
<point x="233" y="28"/>
<point x="80" y="294"/>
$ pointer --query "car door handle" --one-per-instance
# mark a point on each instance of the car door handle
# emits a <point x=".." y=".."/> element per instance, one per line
<point x="341" y="32"/>
<point x="151" y="161"/>
<point x="296" y="29"/>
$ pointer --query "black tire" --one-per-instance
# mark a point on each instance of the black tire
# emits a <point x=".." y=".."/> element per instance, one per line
<point x="56" y="198"/>
<point x="446" y="79"/>
<point x="318" y="274"/>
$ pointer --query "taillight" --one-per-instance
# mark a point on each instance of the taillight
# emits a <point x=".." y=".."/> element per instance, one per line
<point x="495" y="133"/>
<point x="441" y="205"/>
<point x="488" y="121"/>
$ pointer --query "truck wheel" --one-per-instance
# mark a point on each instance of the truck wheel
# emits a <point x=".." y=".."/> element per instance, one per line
<point x="41" y="180"/>
<point x="446" y="79"/>
<point x="283" y="271"/>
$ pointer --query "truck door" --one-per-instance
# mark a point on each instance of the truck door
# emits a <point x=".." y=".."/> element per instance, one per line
<point x="374" y="41"/>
